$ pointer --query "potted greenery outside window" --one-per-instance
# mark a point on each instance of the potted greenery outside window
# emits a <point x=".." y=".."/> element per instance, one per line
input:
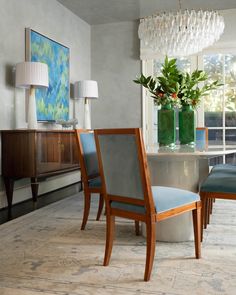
<point x="164" y="90"/>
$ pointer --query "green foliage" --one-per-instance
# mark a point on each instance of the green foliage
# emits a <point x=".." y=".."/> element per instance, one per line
<point x="190" y="92"/>
<point x="163" y="89"/>
<point x="176" y="87"/>
<point x="169" y="81"/>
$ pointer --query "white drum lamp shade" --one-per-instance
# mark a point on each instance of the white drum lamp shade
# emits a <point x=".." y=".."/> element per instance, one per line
<point x="31" y="75"/>
<point x="87" y="89"/>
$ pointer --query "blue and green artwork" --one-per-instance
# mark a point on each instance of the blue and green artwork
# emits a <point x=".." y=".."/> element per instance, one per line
<point x="52" y="103"/>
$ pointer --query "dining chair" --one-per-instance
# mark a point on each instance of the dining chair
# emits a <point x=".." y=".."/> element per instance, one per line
<point x="90" y="175"/>
<point x="202" y="145"/>
<point x="128" y="193"/>
<point x="219" y="169"/>
<point x="220" y="184"/>
<point x="209" y="204"/>
<point x="201" y="138"/>
<point x="224" y="168"/>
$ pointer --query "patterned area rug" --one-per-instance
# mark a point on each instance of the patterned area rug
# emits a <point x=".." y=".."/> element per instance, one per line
<point x="45" y="252"/>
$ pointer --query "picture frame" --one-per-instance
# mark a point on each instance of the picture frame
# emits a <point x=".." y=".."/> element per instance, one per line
<point x="52" y="104"/>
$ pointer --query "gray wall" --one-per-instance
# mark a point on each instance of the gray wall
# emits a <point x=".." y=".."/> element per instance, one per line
<point x="55" y="21"/>
<point x="115" y="63"/>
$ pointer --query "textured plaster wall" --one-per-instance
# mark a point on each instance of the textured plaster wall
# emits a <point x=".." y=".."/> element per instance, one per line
<point x="55" y="21"/>
<point x="115" y="63"/>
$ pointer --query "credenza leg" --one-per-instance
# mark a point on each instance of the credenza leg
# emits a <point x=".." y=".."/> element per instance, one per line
<point x="9" y="186"/>
<point x="34" y="190"/>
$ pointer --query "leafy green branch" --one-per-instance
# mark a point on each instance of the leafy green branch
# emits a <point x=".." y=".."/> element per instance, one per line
<point x="176" y="87"/>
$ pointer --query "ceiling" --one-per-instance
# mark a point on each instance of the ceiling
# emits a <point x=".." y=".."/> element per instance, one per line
<point x="108" y="11"/>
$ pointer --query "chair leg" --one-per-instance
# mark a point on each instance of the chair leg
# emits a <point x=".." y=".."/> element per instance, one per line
<point x="203" y="217"/>
<point x="110" y="230"/>
<point x="151" y="245"/>
<point x="203" y="213"/>
<point x="197" y="231"/>
<point x="100" y="206"/>
<point x="137" y="230"/>
<point x="206" y="211"/>
<point x="87" y="199"/>
<point x="211" y="210"/>
<point x="210" y="205"/>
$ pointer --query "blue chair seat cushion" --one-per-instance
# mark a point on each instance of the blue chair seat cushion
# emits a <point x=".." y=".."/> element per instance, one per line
<point x="220" y="182"/>
<point x="95" y="182"/>
<point x="165" y="198"/>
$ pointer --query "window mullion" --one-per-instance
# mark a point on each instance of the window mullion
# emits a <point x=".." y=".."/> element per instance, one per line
<point x="147" y="104"/>
<point x="197" y="62"/>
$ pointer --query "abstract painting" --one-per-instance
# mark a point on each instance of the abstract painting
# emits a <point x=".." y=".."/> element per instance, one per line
<point x="53" y="103"/>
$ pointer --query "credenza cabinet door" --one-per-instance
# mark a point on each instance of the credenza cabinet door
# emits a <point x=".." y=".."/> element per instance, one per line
<point x="68" y="151"/>
<point x="56" y="151"/>
<point x="48" y="152"/>
<point x="18" y="153"/>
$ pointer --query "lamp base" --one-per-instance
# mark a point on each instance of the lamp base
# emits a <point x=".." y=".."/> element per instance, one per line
<point x="32" y="115"/>
<point x="87" y="118"/>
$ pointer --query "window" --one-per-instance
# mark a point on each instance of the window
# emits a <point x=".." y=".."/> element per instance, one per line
<point x="220" y="105"/>
<point x="218" y="109"/>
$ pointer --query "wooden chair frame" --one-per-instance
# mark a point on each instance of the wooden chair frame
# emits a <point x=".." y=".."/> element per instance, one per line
<point x="85" y="180"/>
<point x="151" y="216"/>
<point x="209" y="204"/>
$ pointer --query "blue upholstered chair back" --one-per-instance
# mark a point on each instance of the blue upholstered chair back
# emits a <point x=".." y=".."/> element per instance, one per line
<point x="120" y="163"/>
<point x="90" y="153"/>
<point x="201" y="138"/>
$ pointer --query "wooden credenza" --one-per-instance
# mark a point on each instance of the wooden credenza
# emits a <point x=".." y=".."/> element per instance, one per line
<point x="36" y="154"/>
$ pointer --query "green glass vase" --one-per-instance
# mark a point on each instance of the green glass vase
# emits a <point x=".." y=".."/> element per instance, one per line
<point x="166" y="126"/>
<point x="187" y="126"/>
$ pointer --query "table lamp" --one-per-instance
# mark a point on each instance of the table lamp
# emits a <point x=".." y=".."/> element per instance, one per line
<point x="87" y="89"/>
<point x="31" y="75"/>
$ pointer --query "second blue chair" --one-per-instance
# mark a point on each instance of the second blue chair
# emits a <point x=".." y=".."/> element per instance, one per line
<point x="89" y="170"/>
<point x="220" y="184"/>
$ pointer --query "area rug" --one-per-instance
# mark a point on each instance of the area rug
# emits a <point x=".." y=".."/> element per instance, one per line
<point x="45" y="252"/>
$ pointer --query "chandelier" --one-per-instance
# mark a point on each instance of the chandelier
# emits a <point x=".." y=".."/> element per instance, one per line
<point x="182" y="33"/>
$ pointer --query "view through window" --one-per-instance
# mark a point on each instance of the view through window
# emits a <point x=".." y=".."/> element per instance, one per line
<point x="218" y="109"/>
<point x="220" y="104"/>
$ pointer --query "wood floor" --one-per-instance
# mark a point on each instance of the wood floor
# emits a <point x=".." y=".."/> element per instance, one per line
<point x="27" y="206"/>
<point x="45" y="252"/>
